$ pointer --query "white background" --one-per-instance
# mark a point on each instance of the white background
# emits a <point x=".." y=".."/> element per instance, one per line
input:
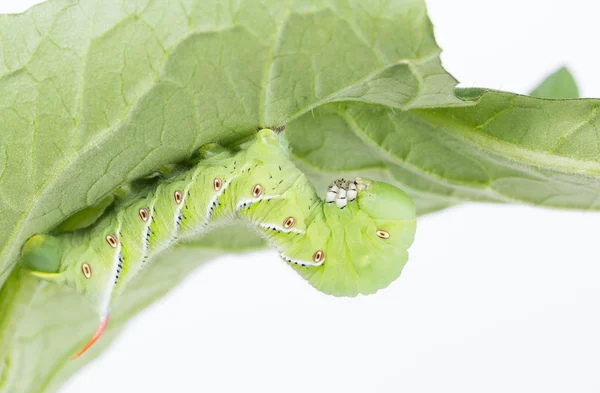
<point x="493" y="299"/>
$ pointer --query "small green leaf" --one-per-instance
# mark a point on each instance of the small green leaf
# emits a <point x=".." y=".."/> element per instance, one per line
<point x="557" y="85"/>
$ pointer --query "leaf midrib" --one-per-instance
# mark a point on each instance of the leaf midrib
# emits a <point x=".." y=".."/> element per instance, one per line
<point x="498" y="147"/>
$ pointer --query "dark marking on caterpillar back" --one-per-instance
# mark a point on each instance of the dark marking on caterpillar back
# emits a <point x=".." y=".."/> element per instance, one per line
<point x="179" y="218"/>
<point x="148" y="232"/>
<point x="119" y="267"/>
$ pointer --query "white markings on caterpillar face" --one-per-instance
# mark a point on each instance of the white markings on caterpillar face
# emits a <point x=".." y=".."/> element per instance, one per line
<point x="112" y="240"/>
<point x="383" y="234"/>
<point x="87" y="270"/>
<point x="144" y="214"/>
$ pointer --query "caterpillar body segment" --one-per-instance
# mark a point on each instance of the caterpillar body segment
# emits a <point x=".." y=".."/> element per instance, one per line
<point x="354" y="242"/>
<point x="360" y="259"/>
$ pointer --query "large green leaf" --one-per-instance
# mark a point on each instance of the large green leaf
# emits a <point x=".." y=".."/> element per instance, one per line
<point x="95" y="93"/>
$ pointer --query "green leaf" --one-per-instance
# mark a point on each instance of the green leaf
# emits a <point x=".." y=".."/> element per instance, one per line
<point x="112" y="89"/>
<point x="506" y="148"/>
<point x="97" y="93"/>
<point x="559" y="84"/>
<point x="86" y="217"/>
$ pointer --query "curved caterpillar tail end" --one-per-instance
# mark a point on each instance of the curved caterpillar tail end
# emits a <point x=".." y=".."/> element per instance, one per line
<point x="41" y="256"/>
<point x="370" y="235"/>
<point x="86" y="265"/>
<point x="95" y="337"/>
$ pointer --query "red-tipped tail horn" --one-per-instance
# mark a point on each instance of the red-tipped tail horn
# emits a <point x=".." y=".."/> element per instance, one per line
<point x="94" y="338"/>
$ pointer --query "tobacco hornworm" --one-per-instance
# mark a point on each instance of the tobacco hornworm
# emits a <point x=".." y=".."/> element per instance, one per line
<point x="354" y="242"/>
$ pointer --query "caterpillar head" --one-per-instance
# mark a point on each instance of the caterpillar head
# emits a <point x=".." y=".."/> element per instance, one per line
<point x="364" y="244"/>
<point x="88" y="264"/>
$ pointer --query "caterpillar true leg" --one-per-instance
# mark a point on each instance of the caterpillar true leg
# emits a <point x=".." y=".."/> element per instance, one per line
<point x="357" y="245"/>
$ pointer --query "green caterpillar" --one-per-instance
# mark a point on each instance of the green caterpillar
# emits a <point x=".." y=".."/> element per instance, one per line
<point x="354" y="242"/>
